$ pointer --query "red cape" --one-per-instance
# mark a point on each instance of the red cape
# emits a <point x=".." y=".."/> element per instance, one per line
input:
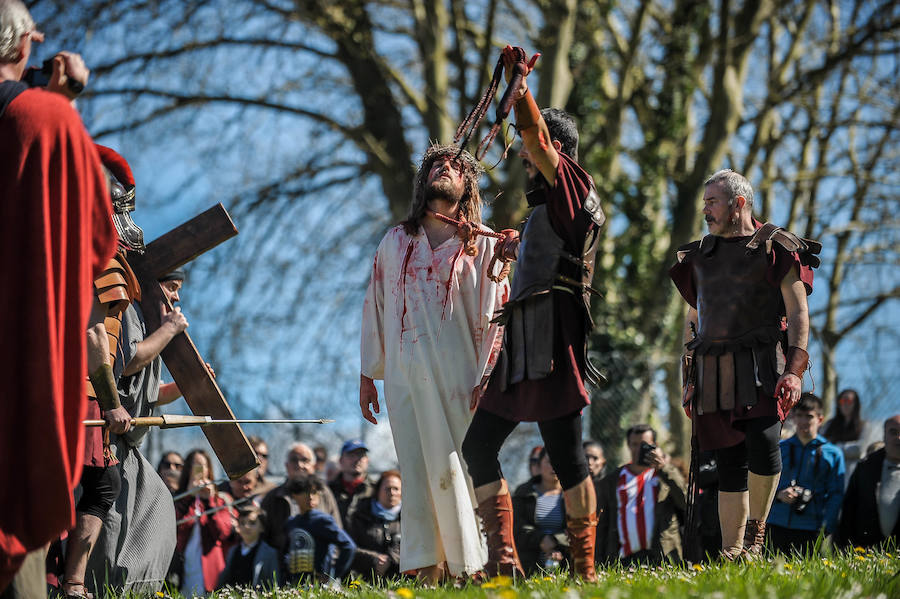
<point x="56" y="235"/>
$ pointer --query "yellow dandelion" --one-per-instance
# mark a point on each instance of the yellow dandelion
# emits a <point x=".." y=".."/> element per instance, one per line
<point x="405" y="593"/>
<point x="160" y="594"/>
<point x="507" y="594"/>
<point x="698" y="567"/>
<point x="548" y="578"/>
<point x="860" y="558"/>
<point x="859" y="550"/>
<point x="788" y="567"/>
<point x="489" y="585"/>
<point x="502" y="581"/>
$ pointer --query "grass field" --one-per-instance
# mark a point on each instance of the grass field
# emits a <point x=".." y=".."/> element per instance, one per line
<point x="840" y="576"/>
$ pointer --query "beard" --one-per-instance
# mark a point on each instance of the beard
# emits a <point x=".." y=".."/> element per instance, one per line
<point x="442" y="189"/>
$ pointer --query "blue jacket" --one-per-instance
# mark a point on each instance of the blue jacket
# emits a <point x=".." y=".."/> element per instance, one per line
<point x="310" y="538"/>
<point x="818" y="466"/>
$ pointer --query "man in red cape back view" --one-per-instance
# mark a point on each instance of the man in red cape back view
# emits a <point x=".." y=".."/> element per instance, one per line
<point x="56" y="236"/>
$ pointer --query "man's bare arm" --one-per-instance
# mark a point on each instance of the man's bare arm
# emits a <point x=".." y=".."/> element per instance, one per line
<point x="794" y="293"/>
<point x="173" y="323"/>
<point x="529" y="122"/>
<point x="790" y="385"/>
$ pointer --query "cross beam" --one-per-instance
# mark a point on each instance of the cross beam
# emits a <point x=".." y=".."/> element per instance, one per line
<point x="186" y="365"/>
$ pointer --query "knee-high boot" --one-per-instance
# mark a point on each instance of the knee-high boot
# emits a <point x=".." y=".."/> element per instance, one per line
<point x="582" y="533"/>
<point x="497" y="515"/>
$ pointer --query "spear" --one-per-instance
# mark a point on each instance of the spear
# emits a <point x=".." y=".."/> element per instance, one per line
<point x="180" y="420"/>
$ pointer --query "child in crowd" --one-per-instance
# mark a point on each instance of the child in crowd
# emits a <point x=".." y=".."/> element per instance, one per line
<point x="252" y="562"/>
<point x="311" y="535"/>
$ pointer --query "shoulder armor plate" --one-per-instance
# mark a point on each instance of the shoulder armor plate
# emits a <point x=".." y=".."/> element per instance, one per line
<point x="683" y="251"/>
<point x="117" y="286"/>
<point x="805" y="248"/>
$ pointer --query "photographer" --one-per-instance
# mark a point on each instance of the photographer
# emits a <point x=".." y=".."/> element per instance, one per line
<point x="648" y="495"/>
<point x="56" y="236"/>
<point x="811" y="488"/>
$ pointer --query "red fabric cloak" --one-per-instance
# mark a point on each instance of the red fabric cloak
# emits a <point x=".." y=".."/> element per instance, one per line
<point x="57" y="235"/>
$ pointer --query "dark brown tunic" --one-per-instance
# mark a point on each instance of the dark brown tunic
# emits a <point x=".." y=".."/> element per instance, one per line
<point x="739" y="347"/>
<point x="562" y="392"/>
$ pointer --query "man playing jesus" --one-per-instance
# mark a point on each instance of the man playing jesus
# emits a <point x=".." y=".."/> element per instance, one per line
<point x="427" y="332"/>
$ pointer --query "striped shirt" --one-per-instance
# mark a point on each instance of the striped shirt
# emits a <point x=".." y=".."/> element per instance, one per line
<point x="636" y="499"/>
<point x="548" y="513"/>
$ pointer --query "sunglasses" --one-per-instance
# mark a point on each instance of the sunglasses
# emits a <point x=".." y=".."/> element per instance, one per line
<point x="174" y="465"/>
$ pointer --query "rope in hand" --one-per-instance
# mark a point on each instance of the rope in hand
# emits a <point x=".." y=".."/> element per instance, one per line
<point x="470" y="123"/>
<point x="467" y="231"/>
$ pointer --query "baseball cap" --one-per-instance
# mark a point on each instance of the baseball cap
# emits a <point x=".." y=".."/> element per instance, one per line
<point x="353" y="445"/>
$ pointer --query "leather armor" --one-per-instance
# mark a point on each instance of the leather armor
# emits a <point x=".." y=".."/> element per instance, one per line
<point x="115" y="289"/>
<point x="740" y="343"/>
<point x="543" y="265"/>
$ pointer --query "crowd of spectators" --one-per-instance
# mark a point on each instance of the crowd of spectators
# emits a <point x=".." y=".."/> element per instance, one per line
<point x="328" y="519"/>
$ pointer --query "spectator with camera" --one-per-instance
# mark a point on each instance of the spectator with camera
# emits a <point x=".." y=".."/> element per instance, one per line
<point x="640" y="505"/>
<point x="809" y="494"/>
<point x="871" y="514"/>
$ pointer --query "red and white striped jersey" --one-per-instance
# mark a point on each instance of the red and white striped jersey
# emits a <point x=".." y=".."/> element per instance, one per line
<point x="636" y="496"/>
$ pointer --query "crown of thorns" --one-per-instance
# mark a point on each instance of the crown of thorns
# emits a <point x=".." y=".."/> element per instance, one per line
<point x="467" y="162"/>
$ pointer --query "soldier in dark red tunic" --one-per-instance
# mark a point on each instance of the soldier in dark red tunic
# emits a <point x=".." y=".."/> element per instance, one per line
<point x="746" y="335"/>
<point x="540" y="375"/>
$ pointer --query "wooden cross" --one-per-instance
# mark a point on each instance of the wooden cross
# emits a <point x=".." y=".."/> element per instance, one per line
<point x="187" y="367"/>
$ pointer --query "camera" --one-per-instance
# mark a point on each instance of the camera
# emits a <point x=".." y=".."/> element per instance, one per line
<point x="644" y="454"/>
<point x="40" y="77"/>
<point x="803" y="499"/>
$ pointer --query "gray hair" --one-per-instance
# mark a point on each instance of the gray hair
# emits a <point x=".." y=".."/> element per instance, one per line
<point x="734" y="185"/>
<point x="15" y="21"/>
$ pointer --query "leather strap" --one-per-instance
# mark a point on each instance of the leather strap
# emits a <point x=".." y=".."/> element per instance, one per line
<point x="797" y="361"/>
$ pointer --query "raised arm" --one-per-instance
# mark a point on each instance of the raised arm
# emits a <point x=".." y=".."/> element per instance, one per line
<point x="529" y="122"/>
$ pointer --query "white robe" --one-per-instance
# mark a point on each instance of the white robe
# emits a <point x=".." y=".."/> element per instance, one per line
<point x="427" y="332"/>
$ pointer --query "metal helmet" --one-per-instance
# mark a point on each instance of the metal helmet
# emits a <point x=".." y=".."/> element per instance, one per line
<point x="121" y="191"/>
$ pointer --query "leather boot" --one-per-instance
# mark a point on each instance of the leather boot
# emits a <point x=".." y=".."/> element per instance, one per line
<point x="754" y="539"/>
<point x="582" y="534"/>
<point x="497" y="516"/>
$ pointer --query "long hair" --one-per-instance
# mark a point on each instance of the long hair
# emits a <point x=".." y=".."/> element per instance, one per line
<point x="842" y="429"/>
<point x="188" y="469"/>
<point x="469" y="205"/>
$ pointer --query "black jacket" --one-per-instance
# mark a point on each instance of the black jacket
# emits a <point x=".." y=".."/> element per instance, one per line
<point x="527" y="535"/>
<point x="859" y="525"/>
<point x="346" y="502"/>
<point x="374" y="537"/>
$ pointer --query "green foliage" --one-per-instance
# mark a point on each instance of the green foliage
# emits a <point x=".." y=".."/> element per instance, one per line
<point x="845" y="575"/>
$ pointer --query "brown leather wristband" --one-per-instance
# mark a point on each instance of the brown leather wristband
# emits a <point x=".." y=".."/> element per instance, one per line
<point x="528" y="114"/>
<point x="796" y="361"/>
<point x="105" y="387"/>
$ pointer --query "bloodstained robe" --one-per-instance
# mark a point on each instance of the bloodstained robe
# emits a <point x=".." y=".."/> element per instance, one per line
<point x="426" y="331"/>
<point x="56" y="236"/>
